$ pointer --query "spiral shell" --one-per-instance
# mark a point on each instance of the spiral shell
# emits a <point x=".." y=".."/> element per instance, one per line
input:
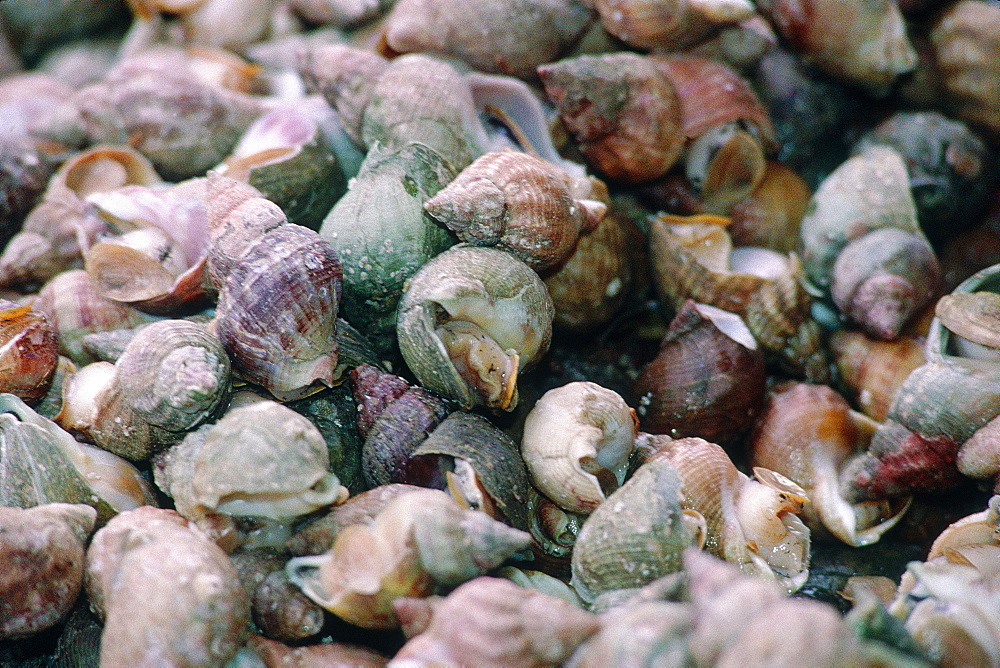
<point x="873" y="370"/>
<point x="518" y="203"/>
<point x="28" y="351"/>
<point x="671" y="25"/>
<point x="470" y="321"/>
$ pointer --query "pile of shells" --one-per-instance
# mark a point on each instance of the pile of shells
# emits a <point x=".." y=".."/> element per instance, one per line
<point x="518" y="332"/>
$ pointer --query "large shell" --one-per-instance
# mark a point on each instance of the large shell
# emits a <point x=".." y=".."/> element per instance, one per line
<point x="577" y="442"/>
<point x="383" y="235"/>
<point x="173" y="376"/>
<point x="470" y="320"/>
<point x="419" y="538"/>
<point x="28" y="351"/>
<point x="277" y="313"/>
<point x="864" y="43"/>
<point x="670" y="25"/>
<point x="134" y="567"/>
<point x="50" y="239"/>
<point x="872" y="369"/>
<point x="752" y="523"/>
<point x="637" y="535"/>
<point x="808" y="433"/>
<point x="47" y="543"/>
<point x="518" y="203"/>
<point x="861" y="242"/>
<point x="693" y="259"/>
<point x="491" y="621"/>
<point x="41" y="463"/>
<point x="707" y="379"/>
<point x="501" y="36"/>
<point x="621" y="109"/>
<point x="258" y="460"/>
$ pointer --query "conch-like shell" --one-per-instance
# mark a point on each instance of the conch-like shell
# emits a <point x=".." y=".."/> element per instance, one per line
<point x="807" y="433"/>
<point x="470" y="321"/>
<point x="173" y="376"/>
<point x="864" y="42"/>
<point x="861" y="242"/>
<point x="637" y="535"/>
<point x="518" y="203"/>
<point x="492" y="621"/>
<point x="259" y="460"/>
<point x="28" y="351"/>
<point x="693" y="259"/>
<point x="47" y="544"/>
<point x="279" y="294"/>
<point x="135" y="565"/>
<point x="670" y="25"/>
<point x="707" y="379"/>
<point x="58" y="229"/>
<point x="872" y="369"/>
<point x="577" y="442"/>
<point x="501" y="36"/>
<point x="419" y="539"/>
<point x="751" y="522"/>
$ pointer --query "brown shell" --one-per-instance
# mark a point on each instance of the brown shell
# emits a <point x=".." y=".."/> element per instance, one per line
<point x="770" y="216"/>
<point x="28" y="351"/>
<point x="621" y="109"/>
<point x="277" y="313"/>
<point x="872" y="369"/>
<point x="703" y="382"/>
<point x="670" y="25"/>
<point x="518" y="203"/>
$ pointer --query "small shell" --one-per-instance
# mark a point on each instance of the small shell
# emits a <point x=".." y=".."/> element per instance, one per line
<point x="283" y="612"/>
<point x="517" y="203"/>
<point x="707" y="379"/>
<point x="470" y="321"/>
<point x="637" y="535"/>
<point x="134" y="565"/>
<point x="28" y="351"/>
<point x="493" y="621"/>
<point x="807" y="433"/>
<point x="501" y="36"/>
<point x="172" y="377"/>
<point x="974" y="320"/>
<point x="621" y="109"/>
<point x="274" y="653"/>
<point x="47" y="544"/>
<point x="577" y="442"/>
<point x="672" y="25"/>
<point x="752" y="523"/>
<point x="770" y="216"/>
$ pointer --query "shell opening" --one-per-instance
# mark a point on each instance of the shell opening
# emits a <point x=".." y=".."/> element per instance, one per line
<point x="282" y="505"/>
<point x="489" y="370"/>
<point x="464" y="485"/>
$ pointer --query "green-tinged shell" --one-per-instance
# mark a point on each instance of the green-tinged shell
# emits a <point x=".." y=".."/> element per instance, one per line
<point x="383" y="235"/>
<point x="476" y="313"/>
<point x="636" y="535"/>
<point x="867" y="192"/>
<point x="497" y="467"/>
<point x="259" y="460"/>
<point x="36" y="462"/>
<point x="334" y="413"/>
<point x="286" y="155"/>
<point x="419" y="98"/>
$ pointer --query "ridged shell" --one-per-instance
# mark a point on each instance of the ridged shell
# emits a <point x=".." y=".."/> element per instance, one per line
<point x="576" y="443"/>
<point x="518" y="203"/>
<point x="470" y="320"/>
<point x="637" y="535"/>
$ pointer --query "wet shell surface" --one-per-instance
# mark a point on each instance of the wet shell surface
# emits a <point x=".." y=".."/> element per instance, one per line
<point x="28" y="351"/>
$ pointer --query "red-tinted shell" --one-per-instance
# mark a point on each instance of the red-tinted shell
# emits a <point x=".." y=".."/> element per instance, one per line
<point x="28" y="351"/>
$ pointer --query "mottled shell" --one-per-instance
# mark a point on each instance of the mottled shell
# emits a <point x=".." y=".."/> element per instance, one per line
<point x="134" y="565"/>
<point x="277" y="313"/>
<point x="28" y="351"/>
<point x="864" y="43"/>
<point x="258" y="460"/>
<point x="807" y="433"/>
<point x="751" y="523"/>
<point x="47" y="544"/>
<point x="383" y="235"/>
<point x="470" y="320"/>
<point x="576" y="443"/>
<point x="173" y="376"/>
<point x="518" y="203"/>
<point x="706" y="380"/>
<point x="670" y="25"/>
<point x="503" y="37"/>
<point x="636" y="535"/>
<point x="493" y="621"/>
<point x="621" y="109"/>
<point x="41" y="463"/>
